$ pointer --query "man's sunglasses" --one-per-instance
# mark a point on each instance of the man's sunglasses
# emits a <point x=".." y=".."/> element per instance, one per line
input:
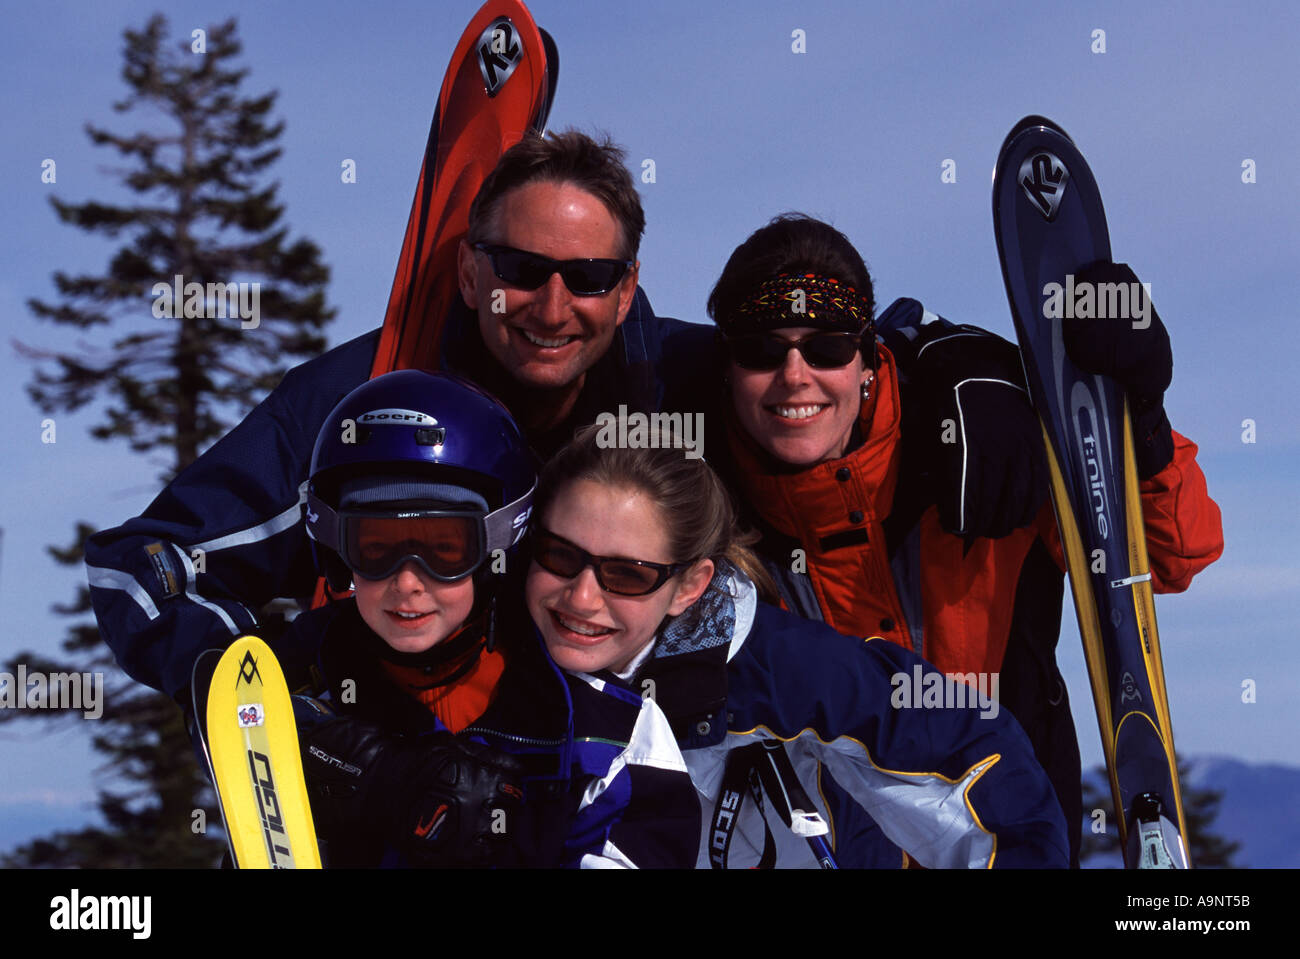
<point x="528" y="271"/>
<point x="624" y="577"/>
<point x="767" y="351"/>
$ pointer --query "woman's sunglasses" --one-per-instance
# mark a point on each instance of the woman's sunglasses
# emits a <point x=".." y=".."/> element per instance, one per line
<point x="528" y="271"/>
<point x="624" y="577"/>
<point x="767" y="351"/>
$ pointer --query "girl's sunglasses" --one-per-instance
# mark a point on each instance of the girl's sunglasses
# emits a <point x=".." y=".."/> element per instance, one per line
<point x="767" y="351"/>
<point x="624" y="577"/>
<point x="528" y="271"/>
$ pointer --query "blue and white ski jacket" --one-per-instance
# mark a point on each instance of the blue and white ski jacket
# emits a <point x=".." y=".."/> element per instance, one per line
<point x="952" y="786"/>
<point x="226" y="535"/>
<point x="605" y="785"/>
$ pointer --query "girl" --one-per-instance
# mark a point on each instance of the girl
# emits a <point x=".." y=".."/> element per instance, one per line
<point x="420" y="491"/>
<point x="639" y="578"/>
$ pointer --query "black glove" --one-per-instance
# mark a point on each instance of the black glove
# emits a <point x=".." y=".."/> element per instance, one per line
<point x="441" y="800"/>
<point x="1133" y="350"/>
<point x="973" y="434"/>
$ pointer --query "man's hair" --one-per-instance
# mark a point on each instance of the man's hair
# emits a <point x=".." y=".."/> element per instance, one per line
<point x="568" y="157"/>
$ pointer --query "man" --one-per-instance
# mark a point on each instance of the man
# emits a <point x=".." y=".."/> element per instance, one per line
<point x="565" y="202"/>
<point x="555" y="326"/>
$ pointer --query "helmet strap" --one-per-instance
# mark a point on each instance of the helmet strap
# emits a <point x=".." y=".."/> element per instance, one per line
<point x="491" y="644"/>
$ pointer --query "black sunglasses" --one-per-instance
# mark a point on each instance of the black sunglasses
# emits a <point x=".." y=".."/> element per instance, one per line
<point x="767" y="351"/>
<point x="625" y="577"/>
<point x="528" y="271"/>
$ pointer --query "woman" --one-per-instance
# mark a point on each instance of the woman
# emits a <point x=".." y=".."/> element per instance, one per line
<point x="638" y="579"/>
<point x="841" y="471"/>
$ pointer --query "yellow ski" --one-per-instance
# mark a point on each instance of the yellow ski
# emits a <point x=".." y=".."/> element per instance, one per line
<point x="253" y="746"/>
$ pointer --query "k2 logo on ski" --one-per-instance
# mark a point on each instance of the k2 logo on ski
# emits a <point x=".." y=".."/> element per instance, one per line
<point x="499" y="53"/>
<point x="1043" y="178"/>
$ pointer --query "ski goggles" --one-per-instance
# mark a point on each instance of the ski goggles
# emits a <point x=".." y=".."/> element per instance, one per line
<point x="822" y="350"/>
<point x="528" y="271"/>
<point x="623" y="577"/>
<point x="447" y="544"/>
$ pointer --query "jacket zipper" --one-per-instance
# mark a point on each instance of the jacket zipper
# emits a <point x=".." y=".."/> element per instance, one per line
<point x="518" y="739"/>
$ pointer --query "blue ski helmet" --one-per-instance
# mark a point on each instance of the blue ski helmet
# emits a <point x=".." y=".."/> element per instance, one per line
<point x="414" y="439"/>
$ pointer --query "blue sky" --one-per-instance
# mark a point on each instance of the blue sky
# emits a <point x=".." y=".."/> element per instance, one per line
<point x="855" y="130"/>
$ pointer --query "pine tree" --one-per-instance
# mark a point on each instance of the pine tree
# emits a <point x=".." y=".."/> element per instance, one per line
<point x="1200" y="807"/>
<point x="174" y="378"/>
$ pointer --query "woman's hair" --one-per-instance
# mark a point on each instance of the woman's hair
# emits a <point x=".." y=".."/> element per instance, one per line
<point x="789" y="243"/>
<point x="698" y="516"/>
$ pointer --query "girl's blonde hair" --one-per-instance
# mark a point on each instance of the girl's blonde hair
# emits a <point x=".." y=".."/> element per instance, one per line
<point x="697" y="512"/>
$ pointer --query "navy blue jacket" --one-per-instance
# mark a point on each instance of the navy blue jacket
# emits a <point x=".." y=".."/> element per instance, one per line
<point x="951" y="786"/>
<point x="226" y="536"/>
<point x="604" y="782"/>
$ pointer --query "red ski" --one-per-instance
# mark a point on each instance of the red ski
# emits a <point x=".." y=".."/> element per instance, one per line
<point x="499" y="84"/>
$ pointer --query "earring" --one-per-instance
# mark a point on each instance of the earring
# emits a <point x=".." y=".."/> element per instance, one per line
<point x="866" y="386"/>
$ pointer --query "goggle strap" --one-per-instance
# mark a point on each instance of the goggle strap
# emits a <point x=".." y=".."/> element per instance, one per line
<point x="324" y="527"/>
<point x="507" y="525"/>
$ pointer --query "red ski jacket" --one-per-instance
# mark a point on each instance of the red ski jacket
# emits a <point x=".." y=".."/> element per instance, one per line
<point x="956" y="609"/>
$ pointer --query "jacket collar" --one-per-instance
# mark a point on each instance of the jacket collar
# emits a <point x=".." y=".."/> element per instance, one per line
<point x="625" y="374"/>
<point x="689" y="667"/>
<point x="532" y="698"/>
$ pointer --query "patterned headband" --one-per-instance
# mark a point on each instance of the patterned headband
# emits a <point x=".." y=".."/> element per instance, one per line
<point x="808" y="299"/>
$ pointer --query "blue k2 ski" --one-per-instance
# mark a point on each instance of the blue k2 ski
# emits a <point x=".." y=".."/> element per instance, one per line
<point x="1049" y="223"/>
